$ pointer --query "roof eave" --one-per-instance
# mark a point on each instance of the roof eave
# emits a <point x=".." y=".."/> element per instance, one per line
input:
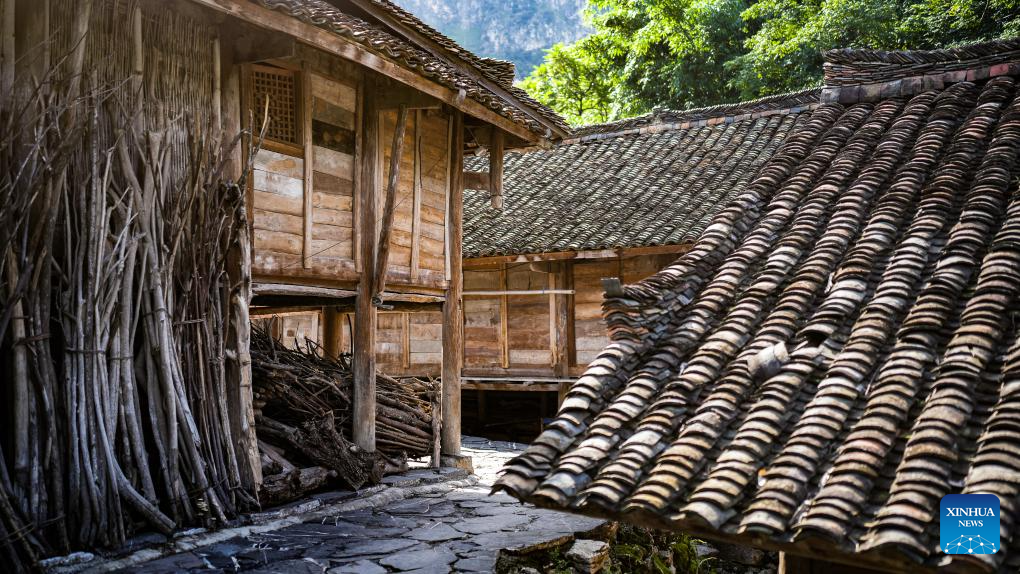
<point x="553" y="133"/>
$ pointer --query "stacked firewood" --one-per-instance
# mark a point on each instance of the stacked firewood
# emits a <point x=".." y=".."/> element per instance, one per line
<point x="303" y="412"/>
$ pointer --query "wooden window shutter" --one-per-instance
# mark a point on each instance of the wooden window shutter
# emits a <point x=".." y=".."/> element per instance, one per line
<point x="281" y="88"/>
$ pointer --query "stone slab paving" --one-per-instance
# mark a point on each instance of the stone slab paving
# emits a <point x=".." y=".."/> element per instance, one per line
<point x="461" y="530"/>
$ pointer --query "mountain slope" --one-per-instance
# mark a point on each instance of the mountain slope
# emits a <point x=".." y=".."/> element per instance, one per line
<point x="515" y="30"/>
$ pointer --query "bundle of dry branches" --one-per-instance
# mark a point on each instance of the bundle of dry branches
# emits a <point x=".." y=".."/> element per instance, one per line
<point x="121" y="322"/>
<point x="300" y="388"/>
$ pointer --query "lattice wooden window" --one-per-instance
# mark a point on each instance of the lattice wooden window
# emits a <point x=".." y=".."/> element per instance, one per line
<point x="280" y="87"/>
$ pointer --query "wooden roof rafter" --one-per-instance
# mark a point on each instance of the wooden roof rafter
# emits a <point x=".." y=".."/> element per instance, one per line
<point x="320" y="38"/>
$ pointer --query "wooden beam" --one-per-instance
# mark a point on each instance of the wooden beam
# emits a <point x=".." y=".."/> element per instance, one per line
<point x="559" y="319"/>
<point x="332" y="332"/>
<point x="365" y="314"/>
<point x="300" y="290"/>
<point x="383" y="251"/>
<point x="7" y="42"/>
<point x="416" y="198"/>
<point x="519" y="292"/>
<point x="504" y="322"/>
<point x="305" y="117"/>
<point x="350" y="50"/>
<point x="432" y="47"/>
<point x="622" y="252"/>
<point x="453" y="316"/>
<point x="496" y="170"/>
<point x="493" y="386"/>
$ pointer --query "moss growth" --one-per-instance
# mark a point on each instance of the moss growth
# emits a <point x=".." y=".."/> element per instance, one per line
<point x="643" y="551"/>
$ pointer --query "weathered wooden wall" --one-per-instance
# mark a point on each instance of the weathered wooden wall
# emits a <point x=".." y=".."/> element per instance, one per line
<point x="303" y="215"/>
<point x="504" y="335"/>
<point x="418" y="238"/>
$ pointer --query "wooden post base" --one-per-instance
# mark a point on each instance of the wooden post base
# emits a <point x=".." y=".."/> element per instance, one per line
<point x="457" y="461"/>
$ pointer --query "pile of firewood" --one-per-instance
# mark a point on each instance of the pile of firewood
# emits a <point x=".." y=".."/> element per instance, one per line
<point x="303" y="411"/>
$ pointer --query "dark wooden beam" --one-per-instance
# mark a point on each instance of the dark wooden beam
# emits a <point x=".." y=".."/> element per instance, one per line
<point x="383" y="250"/>
<point x="353" y="51"/>
<point x="431" y="46"/>
<point x="365" y="314"/>
<point x="453" y="316"/>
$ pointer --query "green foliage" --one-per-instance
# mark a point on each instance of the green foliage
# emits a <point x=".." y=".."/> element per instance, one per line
<point x="642" y="551"/>
<point x="687" y="53"/>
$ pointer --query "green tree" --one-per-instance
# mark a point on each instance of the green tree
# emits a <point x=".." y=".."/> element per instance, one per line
<point x="580" y="81"/>
<point x="689" y="53"/>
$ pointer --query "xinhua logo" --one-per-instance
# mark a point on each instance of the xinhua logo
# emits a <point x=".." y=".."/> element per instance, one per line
<point x="969" y="524"/>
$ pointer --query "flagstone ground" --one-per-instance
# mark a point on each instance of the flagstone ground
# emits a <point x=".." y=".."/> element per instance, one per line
<point x="459" y="529"/>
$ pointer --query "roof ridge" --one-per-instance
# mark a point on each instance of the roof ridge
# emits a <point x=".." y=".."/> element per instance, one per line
<point x="916" y="70"/>
<point x="676" y="119"/>
<point x="906" y="57"/>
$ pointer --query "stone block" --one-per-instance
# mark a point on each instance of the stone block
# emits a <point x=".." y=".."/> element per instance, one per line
<point x="588" y="556"/>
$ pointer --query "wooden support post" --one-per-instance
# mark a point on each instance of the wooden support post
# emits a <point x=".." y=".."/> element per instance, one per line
<point x="504" y="320"/>
<point x="419" y="116"/>
<point x="396" y="154"/>
<point x="332" y="332"/>
<point x="365" y="312"/>
<point x="561" y="279"/>
<point x="496" y="170"/>
<point x="7" y="39"/>
<point x="305" y="116"/>
<point x="453" y="319"/>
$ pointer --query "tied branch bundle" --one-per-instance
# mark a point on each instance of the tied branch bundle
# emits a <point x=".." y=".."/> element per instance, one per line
<point x="303" y="404"/>
<point x="123" y="322"/>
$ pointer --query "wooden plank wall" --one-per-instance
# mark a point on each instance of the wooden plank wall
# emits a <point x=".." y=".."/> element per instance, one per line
<point x="406" y="343"/>
<point x="590" y="331"/>
<point x="483" y="336"/>
<point x="528" y="334"/>
<point x="418" y="241"/>
<point x="286" y="243"/>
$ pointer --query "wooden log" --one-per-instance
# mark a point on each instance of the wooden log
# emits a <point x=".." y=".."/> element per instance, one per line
<point x="383" y="250"/>
<point x="293" y="484"/>
<point x="453" y="321"/>
<point x="363" y="422"/>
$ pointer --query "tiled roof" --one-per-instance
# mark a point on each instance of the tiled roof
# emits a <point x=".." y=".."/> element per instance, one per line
<point x="324" y="15"/>
<point x="838" y="351"/>
<point x="652" y="182"/>
<point x="500" y="71"/>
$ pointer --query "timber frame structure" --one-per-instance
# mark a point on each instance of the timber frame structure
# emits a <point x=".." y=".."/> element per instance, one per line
<point x="357" y="117"/>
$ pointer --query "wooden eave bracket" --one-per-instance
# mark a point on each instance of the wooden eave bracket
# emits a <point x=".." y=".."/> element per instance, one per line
<point x="492" y="180"/>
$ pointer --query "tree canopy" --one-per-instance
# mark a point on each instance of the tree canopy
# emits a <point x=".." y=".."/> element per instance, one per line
<point x="688" y="53"/>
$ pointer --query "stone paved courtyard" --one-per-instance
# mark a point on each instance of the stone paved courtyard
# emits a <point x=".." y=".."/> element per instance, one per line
<point x="455" y="529"/>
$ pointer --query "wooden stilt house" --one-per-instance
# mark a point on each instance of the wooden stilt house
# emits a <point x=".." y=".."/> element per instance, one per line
<point x="352" y="203"/>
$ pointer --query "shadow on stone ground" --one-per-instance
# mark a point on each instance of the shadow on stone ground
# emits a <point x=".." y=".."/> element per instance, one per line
<point x="429" y="521"/>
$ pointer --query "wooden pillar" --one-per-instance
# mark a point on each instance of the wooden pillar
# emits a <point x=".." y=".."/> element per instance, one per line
<point x="332" y="332"/>
<point x="365" y="312"/>
<point x="453" y="320"/>
<point x="7" y="40"/>
<point x="496" y="169"/>
<point x="562" y="278"/>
